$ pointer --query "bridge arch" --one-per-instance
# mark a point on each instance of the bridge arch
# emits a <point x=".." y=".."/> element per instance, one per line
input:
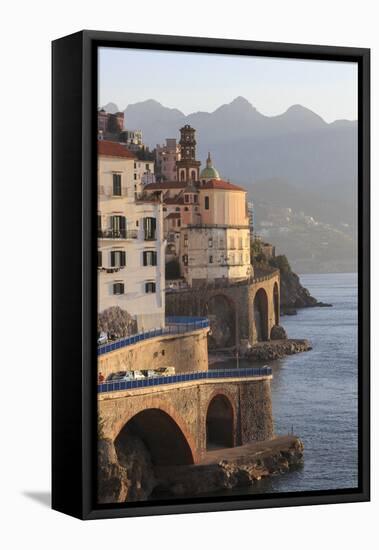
<point x="260" y="309"/>
<point x="276" y="302"/>
<point x="161" y="435"/>
<point x="220" y="422"/>
<point x="222" y="315"/>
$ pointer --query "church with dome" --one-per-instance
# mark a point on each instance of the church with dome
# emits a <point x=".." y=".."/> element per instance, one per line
<point x="206" y="223"/>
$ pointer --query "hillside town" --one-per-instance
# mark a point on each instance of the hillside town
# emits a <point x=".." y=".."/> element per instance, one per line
<point x="168" y="226"/>
<point x="179" y="298"/>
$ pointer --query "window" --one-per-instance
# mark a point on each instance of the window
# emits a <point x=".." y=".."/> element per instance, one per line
<point x="117" y="185"/>
<point x="99" y="258"/>
<point x="186" y="209"/>
<point x="135" y="176"/>
<point x="195" y="199"/>
<point x="150" y="288"/>
<point x="118" y="226"/>
<point x="206" y="203"/>
<point x="118" y="258"/>
<point x="118" y="288"/>
<point x="98" y="222"/>
<point x="147" y="167"/>
<point x="185" y="259"/>
<point x="149" y="257"/>
<point x="211" y="259"/>
<point x="179" y="223"/>
<point x="186" y="198"/>
<point x="182" y="175"/>
<point x="149" y="227"/>
<point x="135" y="165"/>
<point x="193" y="175"/>
<point x="210" y="243"/>
<point x="177" y="209"/>
<point x="185" y="240"/>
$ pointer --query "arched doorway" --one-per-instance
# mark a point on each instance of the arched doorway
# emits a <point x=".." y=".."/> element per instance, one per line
<point x="261" y="315"/>
<point x="222" y="316"/>
<point x="219" y="423"/>
<point x="161" y="436"/>
<point x="276" y="303"/>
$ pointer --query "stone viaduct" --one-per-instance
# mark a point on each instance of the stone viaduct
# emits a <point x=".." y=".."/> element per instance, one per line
<point x="241" y="311"/>
<point x="179" y="422"/>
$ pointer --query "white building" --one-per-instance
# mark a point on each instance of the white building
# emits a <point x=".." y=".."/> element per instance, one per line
<point x="143" y="175"/>
<point x="211" y="254"/>
<point x="131" y="255"/>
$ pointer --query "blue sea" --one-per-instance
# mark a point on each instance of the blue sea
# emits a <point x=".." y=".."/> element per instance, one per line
<point x="315" y="394"/>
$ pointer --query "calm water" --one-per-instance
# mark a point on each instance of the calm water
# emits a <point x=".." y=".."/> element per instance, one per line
<point x="316" y="392"/>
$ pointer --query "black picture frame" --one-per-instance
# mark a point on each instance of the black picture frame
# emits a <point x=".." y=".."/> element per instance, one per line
<point x="74" y="425"/>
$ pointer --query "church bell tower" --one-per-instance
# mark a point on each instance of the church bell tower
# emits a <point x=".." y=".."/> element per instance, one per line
<point x="187" y="167"/>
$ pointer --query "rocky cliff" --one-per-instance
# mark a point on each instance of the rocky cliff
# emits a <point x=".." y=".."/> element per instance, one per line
<point x="292" y="293"/>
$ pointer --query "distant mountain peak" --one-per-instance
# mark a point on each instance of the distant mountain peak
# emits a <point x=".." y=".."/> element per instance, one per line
<point x="111" y="108"/>
<point x="240" y="100"/>
<point x="300" y="113"/>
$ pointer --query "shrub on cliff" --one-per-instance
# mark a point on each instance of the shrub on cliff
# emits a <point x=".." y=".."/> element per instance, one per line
<point x="116" y="321"/>
<point x="281" y="262"/>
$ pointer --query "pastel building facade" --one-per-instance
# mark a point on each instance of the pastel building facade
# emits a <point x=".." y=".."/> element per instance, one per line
<point x="218" y="247"/>
<point x="166" y="158"/>
<point x="131" y="245"/>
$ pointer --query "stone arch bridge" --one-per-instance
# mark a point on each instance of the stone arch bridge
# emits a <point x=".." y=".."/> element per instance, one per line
<point x="178" y="422"/>
<point x="244" y="310"/>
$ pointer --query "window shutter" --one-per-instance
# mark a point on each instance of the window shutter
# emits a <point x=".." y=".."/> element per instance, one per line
<point x="122" y="259"/>
<point x="113" y="258"/>
<point x="154" y="258"/>
<point x="99" y="258"/>
<point x="122" y="222"/>
<point x="145" y="258"/>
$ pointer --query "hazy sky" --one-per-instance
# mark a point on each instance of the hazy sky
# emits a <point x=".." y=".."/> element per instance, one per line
<point x="202" y="82"/>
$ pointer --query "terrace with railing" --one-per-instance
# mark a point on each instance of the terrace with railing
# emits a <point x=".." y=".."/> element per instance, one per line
<point x="117" y="233"/>
<point x="174" y="326"/>
<point x="153" y="381"/>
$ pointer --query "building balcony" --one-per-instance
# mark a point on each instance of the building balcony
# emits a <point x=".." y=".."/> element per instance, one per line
<point x="150" y="236"/>
<point x="114" y="234"/>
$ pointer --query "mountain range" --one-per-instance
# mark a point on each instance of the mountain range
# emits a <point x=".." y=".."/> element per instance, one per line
<point x="295" y="159"/>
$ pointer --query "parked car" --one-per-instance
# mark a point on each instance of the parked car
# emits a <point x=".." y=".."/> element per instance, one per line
<point x="138" y="375"/>
<point x="150" y="373"/>
<point x="102" y="338"/>
<point x="122" y="375"/>
<point x="165" y="371"/>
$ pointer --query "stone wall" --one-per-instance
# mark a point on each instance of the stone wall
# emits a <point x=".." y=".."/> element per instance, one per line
<point x="186" y="352"/>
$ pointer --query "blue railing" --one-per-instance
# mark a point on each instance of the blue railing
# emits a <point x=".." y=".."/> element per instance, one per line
<point x="174" y="325"/>
<point x="112" y="385"/>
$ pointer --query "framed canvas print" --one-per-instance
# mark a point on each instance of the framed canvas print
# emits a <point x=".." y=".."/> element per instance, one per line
<point x="210" y="274"/>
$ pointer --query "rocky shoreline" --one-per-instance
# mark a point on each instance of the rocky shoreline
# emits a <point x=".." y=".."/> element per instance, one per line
<point x="276" y="349"/>
<point x="229" y="469"/>
<point x="132" y="477"/>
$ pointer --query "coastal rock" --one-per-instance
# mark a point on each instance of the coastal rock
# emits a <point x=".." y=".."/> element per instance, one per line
<point x="240" y="471"/>
<point x="276" y="349"/>
<point x="135" y="459"/>
<point x="278" y="333"/>
<point x="112" y="478"/>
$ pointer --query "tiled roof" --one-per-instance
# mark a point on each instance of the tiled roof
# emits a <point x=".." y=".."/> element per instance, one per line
<point x="221" y="184"/>
<point x="173" y="200"/>
<point x="113" y="149"/>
